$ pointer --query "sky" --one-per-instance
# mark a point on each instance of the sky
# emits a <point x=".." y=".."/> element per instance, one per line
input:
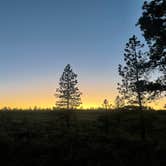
<point x="39" y="37"/>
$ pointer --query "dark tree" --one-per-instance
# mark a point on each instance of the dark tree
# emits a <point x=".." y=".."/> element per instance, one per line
<point x="133" y="73"/>
<point x="68" y="92"/>
<point x="105" y="104"/>
<point x="153" y="25"/>
<point x="119" y="102"/>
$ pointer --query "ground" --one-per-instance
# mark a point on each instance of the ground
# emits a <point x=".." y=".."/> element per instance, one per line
<point x="82" y="138"/>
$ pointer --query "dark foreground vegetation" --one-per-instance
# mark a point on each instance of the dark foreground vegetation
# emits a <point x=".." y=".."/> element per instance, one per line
<point x="82" y="138"/>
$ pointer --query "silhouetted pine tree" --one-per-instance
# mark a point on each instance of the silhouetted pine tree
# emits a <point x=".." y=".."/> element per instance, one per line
<point x="133" y="73"/>
<point x="153" y="25"/>
<point x="68" y="92"/>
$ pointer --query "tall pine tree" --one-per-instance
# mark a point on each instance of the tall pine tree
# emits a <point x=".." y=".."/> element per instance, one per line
<point x="153" y="25"/>
<point x="68" y="92"/>
<point x="133" y="74"/>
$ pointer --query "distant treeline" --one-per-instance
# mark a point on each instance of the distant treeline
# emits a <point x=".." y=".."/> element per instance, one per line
<point x="122" y="109"/>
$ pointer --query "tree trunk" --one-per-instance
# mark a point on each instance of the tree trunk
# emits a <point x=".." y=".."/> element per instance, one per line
<point x="139" y="101"/>
<point x="137" y="84"/>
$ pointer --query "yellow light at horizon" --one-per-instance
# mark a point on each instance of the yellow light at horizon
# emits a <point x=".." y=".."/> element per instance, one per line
<point x="42" y="102"/>
<point x="44" y="97"/>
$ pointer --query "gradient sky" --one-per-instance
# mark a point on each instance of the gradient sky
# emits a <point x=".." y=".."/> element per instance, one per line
<point x="39" y="37"/>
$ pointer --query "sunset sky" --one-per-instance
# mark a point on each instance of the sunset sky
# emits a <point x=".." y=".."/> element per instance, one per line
<point x="39" y="37"/>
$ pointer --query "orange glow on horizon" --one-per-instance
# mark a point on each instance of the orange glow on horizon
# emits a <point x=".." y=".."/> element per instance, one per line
<point x="44" y="97"/>
<point x="49" y="102"/>
<point x="39" y="95"/>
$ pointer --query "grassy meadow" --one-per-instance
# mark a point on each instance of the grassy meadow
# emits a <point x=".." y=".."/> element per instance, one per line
<point x="82" y="138"/>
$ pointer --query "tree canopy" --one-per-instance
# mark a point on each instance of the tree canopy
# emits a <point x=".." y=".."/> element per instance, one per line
<point x="153" y="25"/>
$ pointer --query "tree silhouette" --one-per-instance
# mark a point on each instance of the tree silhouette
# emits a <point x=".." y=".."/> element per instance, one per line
<point x="133" y="73"/>
<point x="105" y="104"/>
<point x="68" y="92"/>
<point x="153" y="24"/>
<point x="119" y="102"/>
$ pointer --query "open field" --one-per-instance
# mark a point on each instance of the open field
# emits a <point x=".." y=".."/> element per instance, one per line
<point x="82" y="138"/>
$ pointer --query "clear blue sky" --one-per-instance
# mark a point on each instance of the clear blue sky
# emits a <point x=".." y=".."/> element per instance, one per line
<point x="39" y="37"/>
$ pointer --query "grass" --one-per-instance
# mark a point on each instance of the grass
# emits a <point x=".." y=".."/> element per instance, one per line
<point x="91" y="138"/>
